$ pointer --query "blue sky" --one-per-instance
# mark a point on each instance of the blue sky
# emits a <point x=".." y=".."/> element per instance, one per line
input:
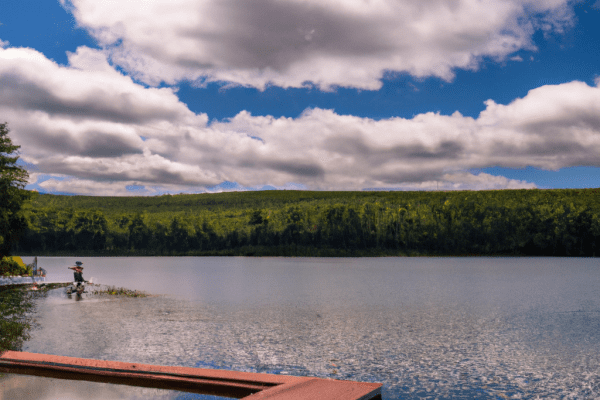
<point x="185" y="96"/>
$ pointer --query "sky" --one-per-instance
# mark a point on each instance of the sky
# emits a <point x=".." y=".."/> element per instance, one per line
<point x="138" y="98"/>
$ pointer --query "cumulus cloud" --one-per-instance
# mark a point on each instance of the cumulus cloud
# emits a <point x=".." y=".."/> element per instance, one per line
<point x="349" y="43"/>
<point x="81" y="129"/>
<point x="88" y="187"/>
<point x="553" y="127"/>
<point x="89" y="89"/>
<point x="465" y="181"/>
<point x="87" y="108"/>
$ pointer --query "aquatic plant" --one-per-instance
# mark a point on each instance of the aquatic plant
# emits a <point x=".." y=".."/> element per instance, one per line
<point x="119" y="291"/>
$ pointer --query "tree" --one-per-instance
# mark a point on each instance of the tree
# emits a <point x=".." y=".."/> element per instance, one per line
<point x="139" y="234"/>
<point x="178" y="237"/>
<point x="256" y="218"/>
<point x="90" y="230"/>
<point x="13" y="179"/>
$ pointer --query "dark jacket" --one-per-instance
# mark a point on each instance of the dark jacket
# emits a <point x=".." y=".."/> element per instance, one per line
<point x="78" y="276"/>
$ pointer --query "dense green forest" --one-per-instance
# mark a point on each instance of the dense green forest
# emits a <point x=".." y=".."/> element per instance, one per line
<point x="304" y="223"/>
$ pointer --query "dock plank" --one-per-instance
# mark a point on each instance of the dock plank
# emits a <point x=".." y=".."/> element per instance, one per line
<point x="254" y="386"/>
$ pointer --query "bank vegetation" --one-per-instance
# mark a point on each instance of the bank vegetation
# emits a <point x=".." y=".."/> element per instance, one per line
<point x="304" y="223"/>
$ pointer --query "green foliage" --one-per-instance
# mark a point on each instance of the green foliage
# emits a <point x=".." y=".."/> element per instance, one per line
<point x="256" y="218"/>
<point x="509" y="222"/>
<point x="9" y="267"/>
<point x="119" y="291"/>
<point x="15" y="321"/>
<point x="13" y="179"/>
<point x="10" y="173"/>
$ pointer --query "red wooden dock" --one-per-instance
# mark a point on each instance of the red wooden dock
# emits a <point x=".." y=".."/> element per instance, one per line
<point x="246" y="385"/>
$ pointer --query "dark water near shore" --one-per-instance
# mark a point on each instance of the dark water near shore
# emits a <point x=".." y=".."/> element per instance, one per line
<point x="442" y="328"/>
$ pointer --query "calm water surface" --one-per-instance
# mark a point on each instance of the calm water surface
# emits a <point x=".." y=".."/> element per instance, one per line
<point x="434" y="328"/>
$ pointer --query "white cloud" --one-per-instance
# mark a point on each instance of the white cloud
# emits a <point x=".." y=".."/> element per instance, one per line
<point x="88" y="89"/>
<point x="348" y="43"/>
<point x="3" y="43"/>
<point x="482" y="181"/>
<point x="88" y="187"/>
<point x="86" y="121"/>
<point x="554" y="126"/>
<point x="466" y="181"/>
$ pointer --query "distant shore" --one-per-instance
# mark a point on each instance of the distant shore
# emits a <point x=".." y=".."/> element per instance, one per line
<point x="273" y="252"/>
<point x="559" y="223"/>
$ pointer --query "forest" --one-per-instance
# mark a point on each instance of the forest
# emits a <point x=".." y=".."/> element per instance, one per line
<point x="562" y="222"/>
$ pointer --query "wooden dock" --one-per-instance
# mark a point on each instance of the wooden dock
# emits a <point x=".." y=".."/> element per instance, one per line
<point x="246" y="385"/>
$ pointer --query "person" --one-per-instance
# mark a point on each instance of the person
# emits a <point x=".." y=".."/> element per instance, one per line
<point x="38" y="271"/>
<point x="78" y="274"/>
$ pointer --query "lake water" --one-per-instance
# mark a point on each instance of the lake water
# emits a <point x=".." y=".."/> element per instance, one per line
<point x="433" y="328"/>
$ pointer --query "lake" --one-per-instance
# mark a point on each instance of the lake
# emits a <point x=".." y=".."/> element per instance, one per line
<point x="433" y="328"/>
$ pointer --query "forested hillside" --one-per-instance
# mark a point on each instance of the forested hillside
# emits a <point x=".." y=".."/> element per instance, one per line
<point x="303" y="223"/>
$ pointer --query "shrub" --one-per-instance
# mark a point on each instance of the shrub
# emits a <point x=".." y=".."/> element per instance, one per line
<point x="8" y="267"/>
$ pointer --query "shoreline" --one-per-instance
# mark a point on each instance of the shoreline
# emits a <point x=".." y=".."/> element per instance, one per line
<point x="333" y="254"/>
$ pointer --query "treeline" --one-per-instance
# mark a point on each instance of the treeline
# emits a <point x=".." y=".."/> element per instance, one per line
<point x="510" y="222"/>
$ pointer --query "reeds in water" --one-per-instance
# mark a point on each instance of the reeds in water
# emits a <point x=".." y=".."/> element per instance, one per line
<point x="119" y="291"/>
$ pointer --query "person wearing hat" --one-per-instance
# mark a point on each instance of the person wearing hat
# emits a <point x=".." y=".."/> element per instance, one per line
<point x="78" y="272"/>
